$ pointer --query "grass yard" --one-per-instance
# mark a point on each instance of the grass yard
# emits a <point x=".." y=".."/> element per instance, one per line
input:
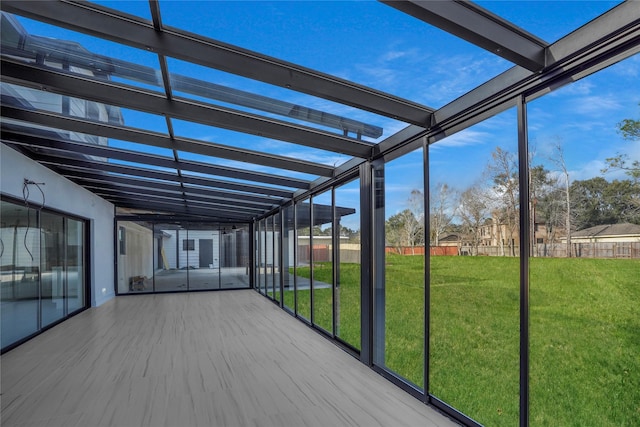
<point x="584" y="326"/>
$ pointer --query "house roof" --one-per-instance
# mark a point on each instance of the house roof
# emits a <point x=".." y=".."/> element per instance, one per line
<point x="623" y="229"/>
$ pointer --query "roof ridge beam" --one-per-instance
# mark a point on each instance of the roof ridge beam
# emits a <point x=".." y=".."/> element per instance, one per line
<point x="477" y="25"/>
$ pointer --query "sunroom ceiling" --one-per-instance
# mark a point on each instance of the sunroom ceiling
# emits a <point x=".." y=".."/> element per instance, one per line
<point x="119" y="101"/>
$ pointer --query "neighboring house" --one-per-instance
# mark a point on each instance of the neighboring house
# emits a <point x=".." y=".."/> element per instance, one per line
<point x="607" y="233"/>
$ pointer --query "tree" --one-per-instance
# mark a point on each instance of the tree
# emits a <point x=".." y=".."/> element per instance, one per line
<point x="503" y="174"/>
<point x="440" y="211"/>
<point x="558" y="160"/>
<point x="473" y="210"/>
<point x="404" y="229"/>
<point x="589" y="204"/>
<point x="630" y="130"/>
<point x="597" y="201"/>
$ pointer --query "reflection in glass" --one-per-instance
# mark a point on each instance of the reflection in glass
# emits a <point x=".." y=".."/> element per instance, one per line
<point x="403" y="336"/>
<point x="474" y="299"/>
<point x="75" y="265"/>
<point x="171" y="250"/>
<point x="303" y="258"/>
<point x="276" y="256"/>
<point x="288" y="250"/>
<point x="52" y="263"/>
<point x="19" y="272"/>
<point x="262" y="251"/>
<point x="42" y="271"/>
<point x="135" y="256"/>
<point x="348" y="272"/>
<point x="322" y="258"/>
<point x="204" y="256"/>
<point x="585" y="266"/>
<point x="234" y="258"/>
<point x="269" y="257"/>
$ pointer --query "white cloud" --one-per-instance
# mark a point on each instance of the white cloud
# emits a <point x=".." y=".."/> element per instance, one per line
<point x="463" y="138"/>
<point x="595" y="105"/>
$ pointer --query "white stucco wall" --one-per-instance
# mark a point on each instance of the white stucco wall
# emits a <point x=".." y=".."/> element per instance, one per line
<point x="65" y="196"/>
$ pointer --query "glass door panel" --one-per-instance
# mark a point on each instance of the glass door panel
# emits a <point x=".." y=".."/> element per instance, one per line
<point x="75" y="265"/>
<point x="52" y="262"/>
<point x="19" y="272"/>
<point x="322" y="258"/>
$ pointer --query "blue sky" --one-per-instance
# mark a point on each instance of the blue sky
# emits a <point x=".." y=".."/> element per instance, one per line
<point x="375" y="45"/>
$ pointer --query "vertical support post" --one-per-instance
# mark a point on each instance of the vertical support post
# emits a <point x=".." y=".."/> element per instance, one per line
<point x="366" y="265"/>
<point x="525" y="238"/>
<point x="295" y="258"/>
<point x="281" y="256"/>
<point x="335" y="258"/>
<point x="311" y="259"/>
<point x="378" y="249"/>
<point x="252" y="254"/>
<point x="427" y="266"/>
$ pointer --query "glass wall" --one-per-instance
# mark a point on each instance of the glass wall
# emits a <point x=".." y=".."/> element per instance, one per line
<point x="399" y="337"/>
<point x="174" y="257"/>
<point x="474" y="271"/>
<point x="276" y="256"/>
<point x="347" y="214"/>
<point x="42" y="269"/>
<point x="269" y="257"/>
<point x="52" y="273"/>
<point x="303" y="259"/>
<point x="585" y="265"/>
<point x="75" y="265"/>
<point x="204" y="258"/>
<point x="322" y="258"/>
<point x="262" y="282"/>
<point x="288" y="260"/>
<point x="234" y="257"/>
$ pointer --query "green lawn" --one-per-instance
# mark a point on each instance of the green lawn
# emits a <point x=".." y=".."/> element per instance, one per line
<point x="584" y="325"/>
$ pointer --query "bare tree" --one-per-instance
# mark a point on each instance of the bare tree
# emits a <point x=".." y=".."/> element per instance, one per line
<point x="473" y="210"/>
<point x="503" y="174"/>
<point x="558" y="159"/>
<point x="440" y="211"/>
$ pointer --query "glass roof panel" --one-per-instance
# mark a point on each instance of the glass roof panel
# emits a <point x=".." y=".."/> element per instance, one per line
<point x="362" y="41"/>
<point x="34" y="99"/>
<point x="256" y="143"/>
<point x="85" y="55"/>
<point x="142" y="165"/>
<point x="549" y="20"/>
<point x="141" y="148"/>
<point x="145" y="121"/>
<point x="216" y="87"/>
<point x="182" y="155"/>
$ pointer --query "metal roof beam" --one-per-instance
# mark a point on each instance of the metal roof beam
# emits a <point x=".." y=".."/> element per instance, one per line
<point x="480" y="27"/>
<point x="121" y="95"/>
<point x="148" y="159"/>
<point x="83" y="178"/>
<point x="112" y="25"/>
<point x="156" y="139"/>
<point x="172" y="209"/>
<point x="161" y="197"/>
<point x="65" y="162"/>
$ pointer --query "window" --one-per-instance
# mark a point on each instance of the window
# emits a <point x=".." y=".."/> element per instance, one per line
<point x="188" y="244"/>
